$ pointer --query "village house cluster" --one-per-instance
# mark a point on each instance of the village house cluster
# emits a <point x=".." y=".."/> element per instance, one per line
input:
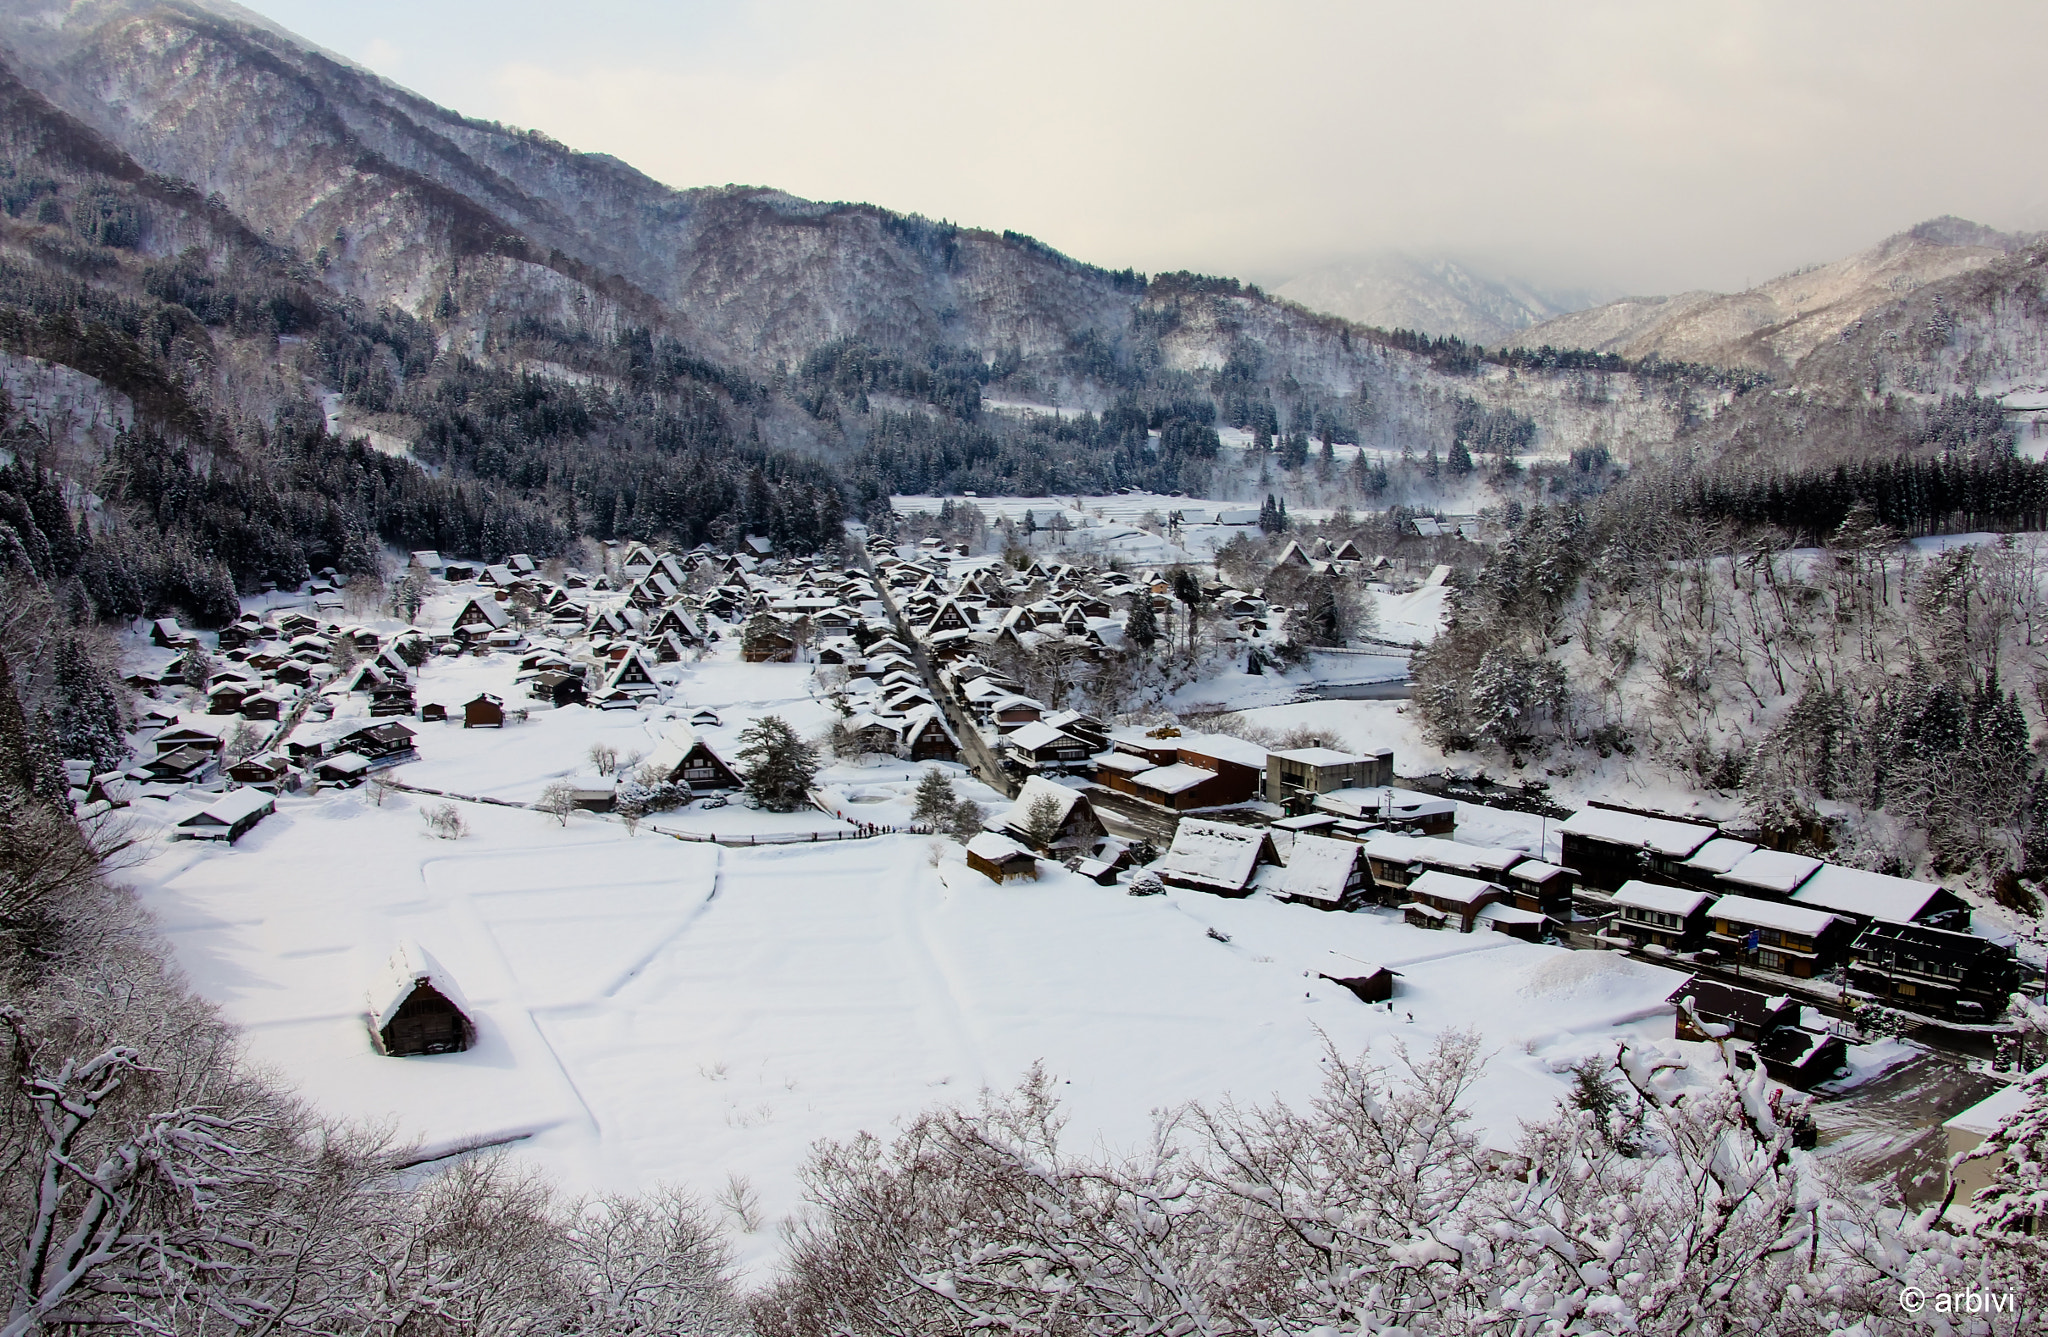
<point x="922" y="651"/>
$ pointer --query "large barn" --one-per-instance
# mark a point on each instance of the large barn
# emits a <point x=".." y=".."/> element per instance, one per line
<point x="417" y="1008"/>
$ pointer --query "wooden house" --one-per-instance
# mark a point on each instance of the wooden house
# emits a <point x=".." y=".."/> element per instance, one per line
<point x="344" y="769"/>
<point x="180" y="765"/>
<point x="206" y="737"/>
<point x="1449" y="900"/>
<point x="1217" y="857"/>
<point x="1744" y="1014"/>
<point x="633" y="675"/>
<point x="1014" y="712"/>
<point x="386" y="742"/>
<point x="481" y="616"/>
<point x="1670" y="917"/>
<point x="1397" y="860"/>
<point x="1934" y="972"/>
<point x="1771" y="935"/>
<point x="1864" y="897"/>
<point x="1078" y="829"/>
<point x="1318" y="871"/>
<point x="226" y="698"/>
<point x="684" y="758"/>
<point x="1040" y="747"/>
<point x="678" y="621"/>
<point x="416" y="1009"/>
<point x="558" y="688"/>
<point x="1506" y="917"/>
<point x="265" y="705"/>
<point x="926" y="738"/>
<point x="1801" y="1058"/>
<point x="1609" y="848"/>
<point x="269" y="769"/>
<point x="166" y="633"/>
<point x="1000" y="859"/>
<point x="483" y="711"/>
<point x="1395" y="811"/>
<point x="1371" y="983"/>
<point x="227" y="817"/>
<point x="1541" y="888"/>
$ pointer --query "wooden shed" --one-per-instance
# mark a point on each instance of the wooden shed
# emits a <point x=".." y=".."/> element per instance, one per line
<point x="483" y="712"/>
<point x="1000" y="859"/>
<point x="1370" y="982"/>
<point x="417" y="1008"/>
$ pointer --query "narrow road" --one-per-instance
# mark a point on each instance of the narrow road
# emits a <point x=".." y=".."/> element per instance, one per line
<point x="979" y="758"/>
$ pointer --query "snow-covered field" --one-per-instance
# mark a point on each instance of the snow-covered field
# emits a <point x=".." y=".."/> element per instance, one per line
<point x="654" y="1010"/>
<point x="657" y="1011"/>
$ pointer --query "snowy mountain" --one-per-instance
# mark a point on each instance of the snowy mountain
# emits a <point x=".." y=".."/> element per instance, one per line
<point x="1775" y="325"/>
<point x="1393" y="291"/>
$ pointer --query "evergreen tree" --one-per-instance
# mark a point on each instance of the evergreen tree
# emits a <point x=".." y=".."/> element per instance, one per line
<point x="780" y="765"/>
<point x="935" y="799"/>
<point x="85" y="714"/>
<point x="1141" y="628"/>
<point x="1042" y="823"/>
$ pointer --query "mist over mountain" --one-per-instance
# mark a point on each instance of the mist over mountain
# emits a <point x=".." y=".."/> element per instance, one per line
<point x="1394" y="291"/>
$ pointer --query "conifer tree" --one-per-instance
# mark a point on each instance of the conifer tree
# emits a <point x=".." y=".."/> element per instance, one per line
<point x="780" y="765"/>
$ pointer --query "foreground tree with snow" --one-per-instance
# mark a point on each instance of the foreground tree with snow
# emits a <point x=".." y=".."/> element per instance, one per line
<point x="1376" y="1210"/>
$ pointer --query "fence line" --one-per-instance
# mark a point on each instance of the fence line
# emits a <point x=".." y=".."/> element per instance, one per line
<point x="863" y="831"/>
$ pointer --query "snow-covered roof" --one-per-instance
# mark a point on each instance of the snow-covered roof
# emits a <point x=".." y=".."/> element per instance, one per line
<point x="1214" y="854"/>
<point x="1175" y="779"/>
<point x="1450" y="853"/>
<point x="1451" y="887"/>
<point x="1664" y="900"/>
<point x="1855" y="891"/>
<point x="1338" y="966"/>
<point x="1317" y="869"/>
<point x="232" y="806"/>
<point x="1502" y="913"/>
<point x="1665" y="837"/>
<point x="1772" y="870"/>
<point x="1318" y="756"/>
<point x="995" y="847"/>
<point x="1223" y="747"/>
<point x="1720" y="854"/>
<point x="1383" y="801"/>
<point x="1989" y="1114"/>
<point x="410" y="966"/>
<point x="1036" y="735"/>
<point x="1772" y="914"/>
<point x="1127" y="762"/>
<point x="346" y="762"/>
<point x="1018" y="815"/>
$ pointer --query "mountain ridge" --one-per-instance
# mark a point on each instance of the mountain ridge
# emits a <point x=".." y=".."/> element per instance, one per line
<point x="1432" y="295"/>
<point x="1774" y="325"/>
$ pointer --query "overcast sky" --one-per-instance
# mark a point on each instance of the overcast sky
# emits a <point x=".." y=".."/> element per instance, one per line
<point x="1642" y="147"/>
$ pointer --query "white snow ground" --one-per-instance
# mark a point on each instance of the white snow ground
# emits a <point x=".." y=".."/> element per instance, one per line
<point x="656" y="1011"/>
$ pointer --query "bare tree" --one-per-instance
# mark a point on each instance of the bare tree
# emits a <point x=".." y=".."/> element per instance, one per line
<point x="558" y="800"/>
<point x="444" y="820"/>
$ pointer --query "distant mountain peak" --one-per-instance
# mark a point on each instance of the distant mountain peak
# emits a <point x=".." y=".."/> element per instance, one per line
<point x="1430" y="294"/>
<point x="1775" y="324"/>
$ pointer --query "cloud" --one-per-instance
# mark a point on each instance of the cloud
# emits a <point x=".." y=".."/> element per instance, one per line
<point x="1649" y="146"/>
